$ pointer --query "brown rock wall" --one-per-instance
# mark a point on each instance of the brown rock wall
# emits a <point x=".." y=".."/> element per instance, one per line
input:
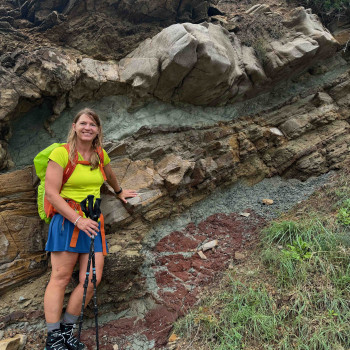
<point x="191" y="163"/>
<point x="173" y="168"/>
<point x="21" y="230"/>
<point x="200" y="64"/>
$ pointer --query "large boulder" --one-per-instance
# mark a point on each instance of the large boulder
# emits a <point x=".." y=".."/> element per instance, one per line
<point x="186" y="62"/>
<point x="305" y="22"/>
<point x="206" y="65"/>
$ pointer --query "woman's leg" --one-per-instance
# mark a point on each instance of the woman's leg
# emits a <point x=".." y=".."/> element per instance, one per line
<point x="76" y="298"/>
<point x="62" y="268"/>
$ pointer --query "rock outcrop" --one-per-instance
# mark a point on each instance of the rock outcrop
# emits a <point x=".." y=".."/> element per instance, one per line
<point x="22" y="237"/>
<point x="16" y="343"/>
<point x="205" y="65"/>
<point x="201" y="64"/>
<point x="100" y="29"/>
<point x="201" y="58"/>
<point x="173" y="168"/>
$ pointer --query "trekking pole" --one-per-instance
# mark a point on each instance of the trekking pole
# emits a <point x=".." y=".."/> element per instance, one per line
<point x="93" y="211"/>
<point x="95" y="217"/>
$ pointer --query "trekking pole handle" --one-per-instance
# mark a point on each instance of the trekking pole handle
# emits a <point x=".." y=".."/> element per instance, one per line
<point x="97" y="210"/>
<point x="83" y="207"/>
<point x="90" y="199"/>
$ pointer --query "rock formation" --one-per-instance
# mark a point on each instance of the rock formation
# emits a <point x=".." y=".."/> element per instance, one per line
<point x="205" y="65"/>
<point x="22" y="240"/>
<point x="175" y="168"/>
<point x="201" y="64"/>
<point x="186" y="54"/>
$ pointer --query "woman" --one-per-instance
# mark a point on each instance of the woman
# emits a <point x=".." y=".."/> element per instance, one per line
<point x="85" y="137"/>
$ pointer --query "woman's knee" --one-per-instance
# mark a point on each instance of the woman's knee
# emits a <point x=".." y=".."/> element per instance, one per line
<point x="60" y="280"/>
<point x="98" y="279"/>
<point x="62" y="267"/>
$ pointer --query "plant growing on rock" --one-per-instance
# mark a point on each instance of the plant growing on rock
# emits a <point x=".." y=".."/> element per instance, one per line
<point x="258" y="31"/>
<point x="327" y="10"/>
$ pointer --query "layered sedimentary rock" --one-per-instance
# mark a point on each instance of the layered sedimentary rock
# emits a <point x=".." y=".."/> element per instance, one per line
<point x="172" y="168"/>
<point x="22" y="237"/>
<point x="207" y="64"/>
<point x="101" y="29"/>
<point x="201" y="64"/>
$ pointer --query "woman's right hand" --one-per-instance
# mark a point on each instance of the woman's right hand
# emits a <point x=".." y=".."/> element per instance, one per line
<point x="90" y="227"/>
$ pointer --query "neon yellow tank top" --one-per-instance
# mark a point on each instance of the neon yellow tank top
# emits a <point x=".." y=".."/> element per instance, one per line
<point x="83" y="181"/>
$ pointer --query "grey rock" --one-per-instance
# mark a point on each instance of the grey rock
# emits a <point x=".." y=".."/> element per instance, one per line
<point x="258" y="9"/>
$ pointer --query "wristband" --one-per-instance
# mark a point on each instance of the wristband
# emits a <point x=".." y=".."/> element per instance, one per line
<point x="119" y="192"/>
<point x="76" y="221"/>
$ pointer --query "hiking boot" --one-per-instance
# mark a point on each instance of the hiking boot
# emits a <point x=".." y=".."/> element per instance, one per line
<point x="69" y="339"/>
<point x="55" y="341"/>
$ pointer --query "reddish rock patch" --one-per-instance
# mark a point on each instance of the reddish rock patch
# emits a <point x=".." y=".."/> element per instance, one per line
<point x="180" y="274"/>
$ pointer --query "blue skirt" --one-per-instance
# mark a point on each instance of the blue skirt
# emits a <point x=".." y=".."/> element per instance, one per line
<point x="60" y="236"/>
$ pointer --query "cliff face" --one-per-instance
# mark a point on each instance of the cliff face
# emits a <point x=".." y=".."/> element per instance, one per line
<point x="191" y="99"/>
<point x="202" y="64"/>
<point x="99" y="29"/>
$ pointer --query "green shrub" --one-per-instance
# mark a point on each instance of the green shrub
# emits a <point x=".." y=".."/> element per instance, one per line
<point x="343" y="215"/>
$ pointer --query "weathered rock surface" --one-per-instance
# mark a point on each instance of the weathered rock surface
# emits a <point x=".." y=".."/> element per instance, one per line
<point x="205" y="65"/>
<point x="179" y="274"/>
<point x="21" y="235"/>
<point x="201" y="64"/>
<point x="172" y="168"/>
<point x="101" y="29"/>
<point x="15" y="343"/>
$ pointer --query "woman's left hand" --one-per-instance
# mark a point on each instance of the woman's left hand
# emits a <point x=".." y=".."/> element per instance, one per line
<point x="127" y="194"/>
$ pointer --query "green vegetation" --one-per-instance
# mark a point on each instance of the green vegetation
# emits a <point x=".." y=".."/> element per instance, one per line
<point x="260" y="46"/>
<point x="294" y="294"/>
<point x="328" y="10"/>
<point x="328" y="5"/>
<point x="343" y="215"/>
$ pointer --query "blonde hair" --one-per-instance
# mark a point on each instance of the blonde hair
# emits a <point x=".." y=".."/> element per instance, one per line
<point x="97" y="142"/>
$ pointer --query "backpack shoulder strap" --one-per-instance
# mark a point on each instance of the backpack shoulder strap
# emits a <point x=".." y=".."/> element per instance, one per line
<point x="68" y="170"/>
<point x="102" y="158"/>
<point x="101" y="155"/>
